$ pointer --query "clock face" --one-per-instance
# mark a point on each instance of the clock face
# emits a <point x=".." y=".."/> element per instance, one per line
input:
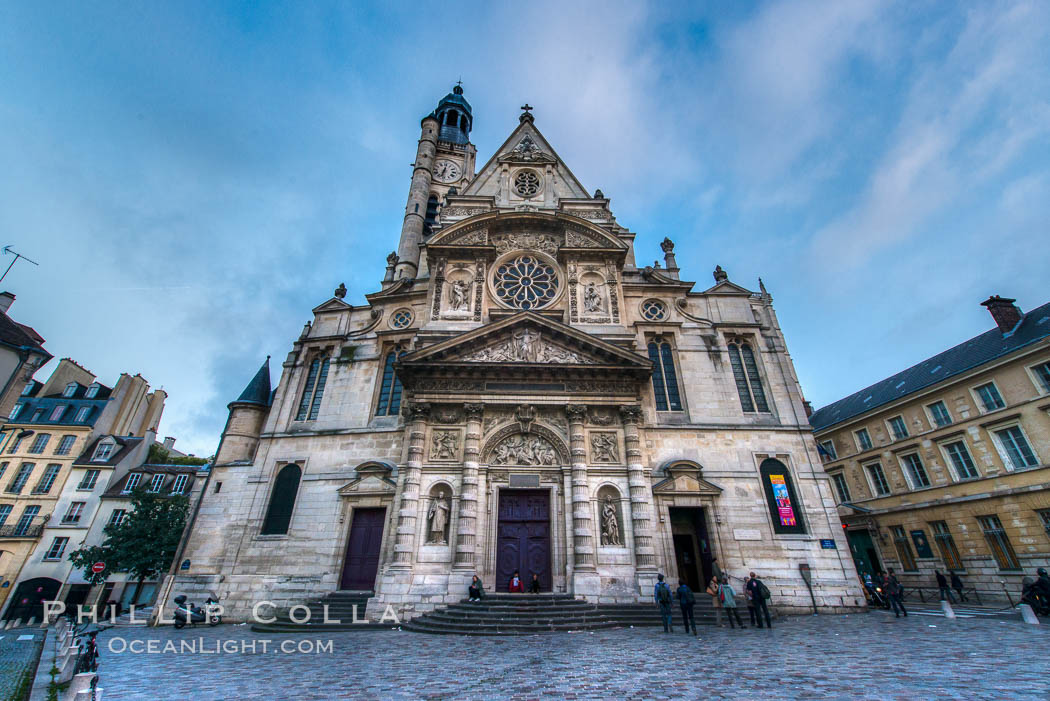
<point x="446" y="171"/>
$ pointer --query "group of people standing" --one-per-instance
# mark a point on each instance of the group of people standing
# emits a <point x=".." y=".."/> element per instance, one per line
<point x="723" y="596"/>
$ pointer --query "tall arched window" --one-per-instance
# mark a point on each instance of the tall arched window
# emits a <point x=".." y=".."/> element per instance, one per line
<point x="665" y="379"/>
<point x="390" y="389"/>
<point x="784" y="506"/>
<point x="431" y="216"/>
<point x="748" y="381"/>
<point x="310" y="404"/>
<point x="282" y="501"/>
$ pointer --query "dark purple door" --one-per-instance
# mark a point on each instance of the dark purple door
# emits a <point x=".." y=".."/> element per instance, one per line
<point x="523" y="541"/>
<point x="362" y="550"/>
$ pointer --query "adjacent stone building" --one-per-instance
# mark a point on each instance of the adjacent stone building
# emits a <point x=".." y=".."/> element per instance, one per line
<point x="49" y="428"/>
<point x="519" y="394"/>
<point x="946" y="465"/>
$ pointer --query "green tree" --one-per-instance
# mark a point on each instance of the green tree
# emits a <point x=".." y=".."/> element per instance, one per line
<point x="143" y="544"/>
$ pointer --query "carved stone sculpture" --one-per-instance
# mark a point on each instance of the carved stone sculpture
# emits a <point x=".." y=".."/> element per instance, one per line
<point x="437" y="519"/>
<point x="592" y="298"/>
<point x="610" y="523"/>
<point x="459" y="296"/>
<point x="526" y="346"/>
<point x="603" y="448"/>
<point x="443" y="446"/>
<point x="524" y="450"/>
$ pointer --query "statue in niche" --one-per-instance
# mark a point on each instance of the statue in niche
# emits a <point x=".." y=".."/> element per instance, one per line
<point x="603" y="447"/>
<point x="610" y="524"/>
<point x="443" y="446"/>
<point x="437" y="518"/>
<point x="592" y="298"/>
<point x="459" y="296"/>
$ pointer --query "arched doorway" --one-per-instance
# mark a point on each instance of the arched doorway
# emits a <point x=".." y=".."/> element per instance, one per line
<point x="27" y="600"/>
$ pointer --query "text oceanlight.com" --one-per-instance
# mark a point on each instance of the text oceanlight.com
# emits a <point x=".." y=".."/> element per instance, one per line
<point x="202" y="646"/>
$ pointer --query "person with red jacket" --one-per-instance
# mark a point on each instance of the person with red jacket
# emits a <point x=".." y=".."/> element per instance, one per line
<point x="516" y="585"/>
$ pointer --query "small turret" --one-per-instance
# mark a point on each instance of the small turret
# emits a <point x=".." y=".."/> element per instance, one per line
<point x="247" y="417"/>
<point x="455" y="117"/>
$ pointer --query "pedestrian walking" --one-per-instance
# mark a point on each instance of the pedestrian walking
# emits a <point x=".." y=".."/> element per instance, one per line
<point x="942" y="585"/>
<point x="759" y="596"/>
<point x="894" y="593"/>
<point x="663" y="598"/>
<point x="751" y="612"/>
<point x="712" y="590"/>
<point x="727" y="595"/>
<point x="686" y="600"/>
<point x="957" y="585"/>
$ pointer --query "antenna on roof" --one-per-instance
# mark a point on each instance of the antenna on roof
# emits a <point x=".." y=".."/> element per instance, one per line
<point x="17" y="255"/>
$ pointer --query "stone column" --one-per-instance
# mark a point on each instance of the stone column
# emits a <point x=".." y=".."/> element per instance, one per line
<point x="466" y="535"/>
<point x="582" y="533"/>
<point x="416" y="413"/>
<point x="641" y="496"/>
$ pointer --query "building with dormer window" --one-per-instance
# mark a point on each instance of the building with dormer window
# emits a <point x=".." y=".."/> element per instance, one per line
<point x="52" y="424"/>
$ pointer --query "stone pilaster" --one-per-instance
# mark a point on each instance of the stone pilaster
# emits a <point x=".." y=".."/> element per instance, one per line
<point x="641" y="497"/>
<point x="416" y="414"/>
<point x="466" y="534"/>
<point x="582" y="532"/>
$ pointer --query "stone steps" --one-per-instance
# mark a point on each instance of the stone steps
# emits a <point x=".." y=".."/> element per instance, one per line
<point x="340" y="607"/>
<point x="526" y="614"/>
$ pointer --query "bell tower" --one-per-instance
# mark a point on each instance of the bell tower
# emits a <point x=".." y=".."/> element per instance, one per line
<point x="444" y="162"/>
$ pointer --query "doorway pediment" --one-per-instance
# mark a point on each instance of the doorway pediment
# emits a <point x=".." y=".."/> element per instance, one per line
<point x="685" y="477"/>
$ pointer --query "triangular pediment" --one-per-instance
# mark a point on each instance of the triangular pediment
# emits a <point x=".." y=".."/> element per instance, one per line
<point x="525" y="148"/>
<point x="687" y="484"/>
<point x="728" y="288"/>
<point x="685" y="477"/>
<point x="333" y="305"/>
<point x="372" y="478"/>
<point x="527" y="338"/>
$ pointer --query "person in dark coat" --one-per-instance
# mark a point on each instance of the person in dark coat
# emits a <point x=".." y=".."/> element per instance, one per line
<point x="686" y="601"/>
<point x="759" y="595"/>
<point x="957" y="585"/>
<point x="894" y="593"/>
<point x="477" y="591"/>
<point x="942" y="585"/>
<point x="534" y="585"/>
<point x="663" y="598"/>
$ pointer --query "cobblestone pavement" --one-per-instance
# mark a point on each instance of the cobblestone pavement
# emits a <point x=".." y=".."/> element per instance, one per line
<point x="857" y="656"/>
<point x="17" y="657"/>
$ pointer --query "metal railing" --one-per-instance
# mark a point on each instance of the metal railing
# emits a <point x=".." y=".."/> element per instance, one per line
<point x="31" y="530"/>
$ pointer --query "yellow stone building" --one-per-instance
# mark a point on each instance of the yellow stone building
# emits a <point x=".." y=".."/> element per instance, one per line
<point x="49" y="427"/>
<point x="944" y="466"/>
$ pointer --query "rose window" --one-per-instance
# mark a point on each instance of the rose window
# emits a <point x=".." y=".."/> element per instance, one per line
<point x="654" y="310"/>
<point x="527" y="183"/>
<point x="401" y="319"/>
<point x="527" y="282"/>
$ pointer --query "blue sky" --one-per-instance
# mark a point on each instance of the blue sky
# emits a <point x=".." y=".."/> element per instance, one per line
<point x="195" y="177"/>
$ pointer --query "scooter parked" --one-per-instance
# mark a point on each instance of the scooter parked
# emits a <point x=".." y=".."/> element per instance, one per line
<point x="188" y="613"/>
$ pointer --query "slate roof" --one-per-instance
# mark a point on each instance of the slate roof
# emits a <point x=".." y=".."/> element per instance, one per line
<point x="125" y="444"/>
<point x="981" y="349"/>
<point x="258" y="390"/>
<point x="14" y="334"/>
<point x="170" y="472"/>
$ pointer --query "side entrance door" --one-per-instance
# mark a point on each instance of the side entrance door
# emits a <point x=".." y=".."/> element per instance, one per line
<point x="362" y="550"/>
<point x="523" y="540"/>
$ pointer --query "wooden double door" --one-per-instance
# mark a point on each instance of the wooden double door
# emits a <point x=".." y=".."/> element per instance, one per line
<point x="362" y="550"/>
<point x="523" y="537"/>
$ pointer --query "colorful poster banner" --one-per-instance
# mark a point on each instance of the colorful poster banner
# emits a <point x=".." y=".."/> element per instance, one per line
<point x="780" y="493"/>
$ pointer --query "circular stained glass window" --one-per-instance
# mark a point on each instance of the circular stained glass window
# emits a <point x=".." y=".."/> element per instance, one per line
<point x="527" y="183"/>
<point x="654" y="310"/>
<point x="526" y="282"/>
<point x="401" y="318"/>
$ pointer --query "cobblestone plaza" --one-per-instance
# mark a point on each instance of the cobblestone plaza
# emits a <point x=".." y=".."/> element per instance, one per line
<point x="869" y="655"/>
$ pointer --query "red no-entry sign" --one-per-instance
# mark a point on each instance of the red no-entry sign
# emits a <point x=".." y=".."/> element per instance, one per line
<point x="98" y="567"/>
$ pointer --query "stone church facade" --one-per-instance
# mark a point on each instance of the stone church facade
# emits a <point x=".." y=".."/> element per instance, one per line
<point x="520" y="394"/>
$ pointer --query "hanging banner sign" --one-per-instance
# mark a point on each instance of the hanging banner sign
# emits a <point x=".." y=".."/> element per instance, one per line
<point x="784" y="507"/>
